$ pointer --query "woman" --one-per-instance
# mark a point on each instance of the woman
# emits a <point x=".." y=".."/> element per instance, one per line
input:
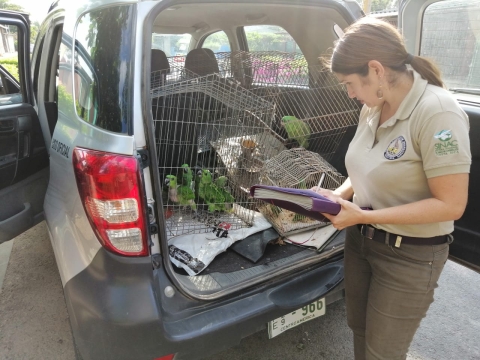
<point x="408" y="161"/>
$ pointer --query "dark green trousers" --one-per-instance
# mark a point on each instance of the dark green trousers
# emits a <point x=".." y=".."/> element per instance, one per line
<point x="388" y="292"/>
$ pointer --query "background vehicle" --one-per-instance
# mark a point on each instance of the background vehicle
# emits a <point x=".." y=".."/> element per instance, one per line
<point x="88" y="97"/>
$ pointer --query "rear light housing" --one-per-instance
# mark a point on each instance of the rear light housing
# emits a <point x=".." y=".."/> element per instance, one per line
<point x="111" y="190"/>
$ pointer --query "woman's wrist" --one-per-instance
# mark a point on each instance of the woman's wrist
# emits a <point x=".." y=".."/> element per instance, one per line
<point x="365" y="217"/>
<point x="345" y="195"/>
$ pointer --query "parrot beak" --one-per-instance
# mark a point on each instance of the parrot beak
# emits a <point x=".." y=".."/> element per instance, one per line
<point x="167" y="181"/>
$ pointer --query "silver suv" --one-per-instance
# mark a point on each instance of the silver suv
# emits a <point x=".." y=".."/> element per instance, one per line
<point x="128" y="113"/>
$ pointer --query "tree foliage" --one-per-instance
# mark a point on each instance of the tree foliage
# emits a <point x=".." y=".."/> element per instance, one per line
<point x="216" y="41"/>
<point x="7" y="5"/>
<point x="34" y="28"/>
<point x="380" y="5"/>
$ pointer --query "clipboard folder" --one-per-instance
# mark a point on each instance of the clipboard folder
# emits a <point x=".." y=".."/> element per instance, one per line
<point x="303" y="202"/>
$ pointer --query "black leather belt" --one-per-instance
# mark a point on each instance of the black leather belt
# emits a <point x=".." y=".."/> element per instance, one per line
<point x="382" y="236"/>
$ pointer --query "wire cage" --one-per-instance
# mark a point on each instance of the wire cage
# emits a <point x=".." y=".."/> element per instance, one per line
<point x="230" y="113"/>
<point x="312" y="109"/>
<point x="299" y="169"/>
<point x="211" y="135"/>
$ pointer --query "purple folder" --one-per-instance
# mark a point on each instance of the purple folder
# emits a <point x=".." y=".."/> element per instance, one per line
<point x="319" y="203"/>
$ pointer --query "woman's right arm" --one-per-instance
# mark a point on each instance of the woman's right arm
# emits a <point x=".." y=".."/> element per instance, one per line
<point x="344" y="191"/>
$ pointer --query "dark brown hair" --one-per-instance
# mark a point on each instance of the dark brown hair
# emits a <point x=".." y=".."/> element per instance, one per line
<point x="373" y="39"/>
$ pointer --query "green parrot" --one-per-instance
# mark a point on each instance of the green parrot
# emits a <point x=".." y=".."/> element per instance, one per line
<point x="275" y="210"/>
<point x="181" y="195"/>
<point x="198" y="177"/>
<point x="185" y="176"/>
<point x="297" y="130"/>
<point x="221" y="183"/>
<point x="209" y="193"/>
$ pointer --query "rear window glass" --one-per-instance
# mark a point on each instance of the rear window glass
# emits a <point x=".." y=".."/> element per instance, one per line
<point x="451" y="37"/>
<point x="103" y="67"/>
<point x="270" y="38"/>
<point x="171" y="44"/>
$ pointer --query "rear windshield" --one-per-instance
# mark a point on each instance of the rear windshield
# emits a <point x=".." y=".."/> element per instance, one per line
<point x="103" y="67"/>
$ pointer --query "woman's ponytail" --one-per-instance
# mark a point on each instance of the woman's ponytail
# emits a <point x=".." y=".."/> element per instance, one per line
<point x="373" y="39"/>
<point x="428" y="70"/>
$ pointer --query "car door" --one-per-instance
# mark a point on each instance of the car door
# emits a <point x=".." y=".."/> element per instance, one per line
<point x="449" y="33"/>
<point x="23" y="156"/>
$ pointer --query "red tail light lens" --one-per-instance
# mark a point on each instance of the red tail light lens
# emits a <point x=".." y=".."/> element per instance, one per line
<point x="111" y="193"/>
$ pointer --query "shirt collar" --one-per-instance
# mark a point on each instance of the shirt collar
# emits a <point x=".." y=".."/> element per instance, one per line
<point x="411" y="100"/>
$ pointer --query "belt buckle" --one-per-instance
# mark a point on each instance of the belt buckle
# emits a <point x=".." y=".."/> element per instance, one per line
<point x="367" y="231"/>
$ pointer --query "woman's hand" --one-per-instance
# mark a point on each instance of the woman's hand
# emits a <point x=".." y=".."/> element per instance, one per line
<point x="329" y="194"/>
<point x="349" y="215"/>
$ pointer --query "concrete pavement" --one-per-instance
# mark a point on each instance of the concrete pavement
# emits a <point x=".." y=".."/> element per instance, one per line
<point x="34" y="320"/>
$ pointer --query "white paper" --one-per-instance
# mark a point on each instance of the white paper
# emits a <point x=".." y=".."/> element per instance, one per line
<point x="194" y="252"/>
<point x="314" y="238"/>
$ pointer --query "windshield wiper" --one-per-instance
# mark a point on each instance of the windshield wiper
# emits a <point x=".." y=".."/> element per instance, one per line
<point x="466" y="91"/>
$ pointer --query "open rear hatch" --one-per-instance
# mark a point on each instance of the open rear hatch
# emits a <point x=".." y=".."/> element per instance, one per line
<point x="226" y="120"/>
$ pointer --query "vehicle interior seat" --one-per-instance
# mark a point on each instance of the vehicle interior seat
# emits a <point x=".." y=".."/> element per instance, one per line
<point x="202" y="62"/>
<point x="175" y="124"/>
<point x="160" y="67"/>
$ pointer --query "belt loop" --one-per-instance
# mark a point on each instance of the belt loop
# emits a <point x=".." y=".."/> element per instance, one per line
<point x="387" y="238"/>
<point x="449" y="238"/>
<point x="370" y="232"/>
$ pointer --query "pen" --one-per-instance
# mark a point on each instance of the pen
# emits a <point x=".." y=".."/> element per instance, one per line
<point x="321" y="180"/>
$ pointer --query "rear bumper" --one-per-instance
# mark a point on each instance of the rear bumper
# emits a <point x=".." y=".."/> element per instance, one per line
<point x="118" y="310"/>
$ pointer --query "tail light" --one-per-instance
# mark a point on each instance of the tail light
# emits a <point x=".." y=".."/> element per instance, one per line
<point x="111" y="193"/>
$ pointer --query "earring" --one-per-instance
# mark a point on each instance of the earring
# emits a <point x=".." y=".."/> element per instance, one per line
<point x="380" y="92"/>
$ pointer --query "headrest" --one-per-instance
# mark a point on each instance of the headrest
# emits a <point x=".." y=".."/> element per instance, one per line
<point x="159" y="61"/>
<point x="201" y="62"/>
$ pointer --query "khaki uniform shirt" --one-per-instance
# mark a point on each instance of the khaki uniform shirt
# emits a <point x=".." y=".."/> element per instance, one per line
<point x="389" y="165"/>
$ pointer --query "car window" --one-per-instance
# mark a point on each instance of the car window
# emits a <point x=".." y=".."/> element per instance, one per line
<point x="171" y="44"/>
<point x="217" y="42"/>
<point x="175" y="47"/>
<point x="64" y="77"/>
<point x="103" y="67"/>
<point x="275" y="57"/>
<point x="270" y="38"/>
<point x="450" y="36"/>
<point x="9" y="77"/>
<point x="36" y="69"/>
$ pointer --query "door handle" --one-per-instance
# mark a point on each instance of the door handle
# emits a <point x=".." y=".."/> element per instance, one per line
<point x="7" y="126"/>
<point x="24" y="127"/>
<point x="21" y="123"/>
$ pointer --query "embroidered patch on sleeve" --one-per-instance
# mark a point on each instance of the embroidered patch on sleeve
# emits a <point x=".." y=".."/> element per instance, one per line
<point x="445" y="145"/>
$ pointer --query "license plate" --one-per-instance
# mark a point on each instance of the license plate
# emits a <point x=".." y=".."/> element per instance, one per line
<point x="295" y="318"/>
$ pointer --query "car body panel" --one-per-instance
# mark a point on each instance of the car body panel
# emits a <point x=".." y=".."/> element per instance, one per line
<point x="74" y="241"/>
<point x="148" y="324"/>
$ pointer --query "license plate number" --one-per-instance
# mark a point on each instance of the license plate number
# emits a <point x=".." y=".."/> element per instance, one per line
<point x="295" y="318"/>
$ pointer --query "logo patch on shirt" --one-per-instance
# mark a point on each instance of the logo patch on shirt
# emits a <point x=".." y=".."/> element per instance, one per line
<point x="445" y="145"/>
<point x="396" y="148"/>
